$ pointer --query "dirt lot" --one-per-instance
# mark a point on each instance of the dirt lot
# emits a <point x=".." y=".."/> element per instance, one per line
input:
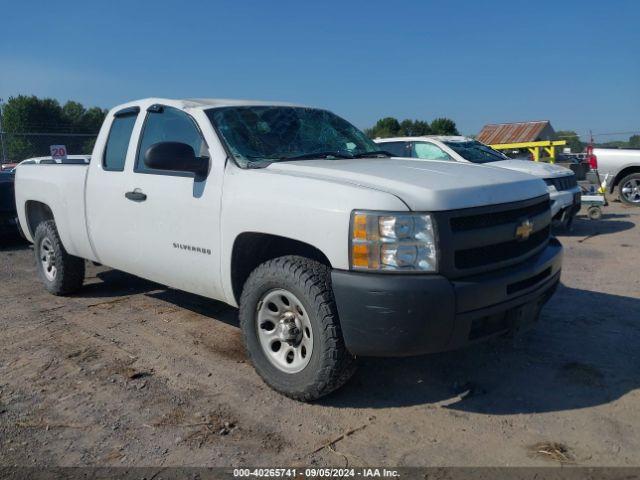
<point x="131" y="373"/>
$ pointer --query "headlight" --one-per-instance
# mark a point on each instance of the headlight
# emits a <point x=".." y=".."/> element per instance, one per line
<point x="403" y="242"/>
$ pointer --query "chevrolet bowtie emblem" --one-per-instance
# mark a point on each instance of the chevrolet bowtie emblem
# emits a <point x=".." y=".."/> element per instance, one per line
<point x="524" y="230"/>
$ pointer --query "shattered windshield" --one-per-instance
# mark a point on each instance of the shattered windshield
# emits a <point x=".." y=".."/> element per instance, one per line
<point x="259" y="134"/>
<point x="476" y="152"/>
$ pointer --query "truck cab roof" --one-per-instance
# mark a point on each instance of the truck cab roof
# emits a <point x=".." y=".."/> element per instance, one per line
<point x="201" y="103"/>
<point x="440" y="138"/>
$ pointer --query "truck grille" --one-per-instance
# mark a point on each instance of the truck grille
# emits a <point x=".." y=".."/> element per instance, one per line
<point x="477" y="240"/>
<point x="563" y="183"/>
<point x="499" y="252"/>
<point x="491" y="219"/>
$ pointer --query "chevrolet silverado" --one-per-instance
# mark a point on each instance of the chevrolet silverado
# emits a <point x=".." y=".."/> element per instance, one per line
<point x="330" y="249"/>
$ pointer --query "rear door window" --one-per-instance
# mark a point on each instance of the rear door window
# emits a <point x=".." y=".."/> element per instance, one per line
<point x="115" y="152"/>
<point x="397" y="149"/>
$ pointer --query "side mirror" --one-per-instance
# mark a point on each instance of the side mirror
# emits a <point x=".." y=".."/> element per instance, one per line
<point x="175" y="157"/>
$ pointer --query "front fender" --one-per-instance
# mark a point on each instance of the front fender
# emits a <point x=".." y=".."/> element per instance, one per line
<point x="312" y="211"/>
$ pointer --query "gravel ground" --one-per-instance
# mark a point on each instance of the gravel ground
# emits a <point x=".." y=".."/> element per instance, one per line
<point x="129" y="373"/>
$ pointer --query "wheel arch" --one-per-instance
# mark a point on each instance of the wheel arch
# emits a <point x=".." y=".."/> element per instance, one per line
<point x="36" y="212"/>
<point x="623" y="173"/>
<point x="250" y="249"/>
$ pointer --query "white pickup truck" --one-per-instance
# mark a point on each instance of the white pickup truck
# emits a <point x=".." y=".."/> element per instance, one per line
<point x="331" y="249"/>
<point x="621" y="169"/>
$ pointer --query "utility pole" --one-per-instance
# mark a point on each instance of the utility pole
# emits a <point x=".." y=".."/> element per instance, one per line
<point x="4" y="150"/>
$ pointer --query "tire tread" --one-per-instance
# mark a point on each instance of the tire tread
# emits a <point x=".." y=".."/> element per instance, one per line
<point x="71" y="269"/>
<point x="315" y="280"/>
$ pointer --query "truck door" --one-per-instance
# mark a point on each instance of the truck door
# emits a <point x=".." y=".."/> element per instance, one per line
<point x="176" y="215"/>
<point x="113" y="233"/>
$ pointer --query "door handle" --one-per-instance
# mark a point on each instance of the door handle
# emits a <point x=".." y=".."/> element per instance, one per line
<point x="136" y="196"/>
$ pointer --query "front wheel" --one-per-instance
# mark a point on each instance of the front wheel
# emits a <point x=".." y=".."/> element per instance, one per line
<point x="629" y="189"/>
<point x="60" y="272"/>
<point x="291" y="329"/>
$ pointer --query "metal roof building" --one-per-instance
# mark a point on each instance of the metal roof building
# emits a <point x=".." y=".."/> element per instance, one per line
<point x="531" y="136"/>
<point x="520" y="132"/>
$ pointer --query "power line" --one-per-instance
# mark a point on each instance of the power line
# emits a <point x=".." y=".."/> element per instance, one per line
<point x="615" y="133"/>
<point x="588" y="135"/>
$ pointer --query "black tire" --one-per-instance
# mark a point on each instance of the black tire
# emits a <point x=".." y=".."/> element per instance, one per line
<point x="625" y="180"/>
<point x="330" y="365"/>
<point x="69" y="270"/>
<point x="594" y="213"/>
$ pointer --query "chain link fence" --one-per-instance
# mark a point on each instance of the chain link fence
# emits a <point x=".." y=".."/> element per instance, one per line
<point x="18" y="146"/>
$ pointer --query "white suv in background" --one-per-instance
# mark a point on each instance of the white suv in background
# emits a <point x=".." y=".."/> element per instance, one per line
<point x="561" y="182"/>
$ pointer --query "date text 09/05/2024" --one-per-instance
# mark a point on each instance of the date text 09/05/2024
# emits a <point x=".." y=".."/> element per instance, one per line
<point x="314" y="472"/>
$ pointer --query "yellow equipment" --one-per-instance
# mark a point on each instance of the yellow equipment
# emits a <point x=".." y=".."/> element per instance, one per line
<point x="549" y="146"/>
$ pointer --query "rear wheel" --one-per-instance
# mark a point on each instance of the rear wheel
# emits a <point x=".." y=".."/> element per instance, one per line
<point x="60" y="272"/>
<point x="291" y="328"/>
<point x="629" y="189"/>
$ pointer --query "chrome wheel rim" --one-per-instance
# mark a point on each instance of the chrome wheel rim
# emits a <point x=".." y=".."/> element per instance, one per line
<point x="631" y="190"/>
<point x="48" y="259"/>
<point x="284" y="331"/>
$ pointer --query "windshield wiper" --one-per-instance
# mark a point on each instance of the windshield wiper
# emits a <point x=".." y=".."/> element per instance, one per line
<point x="259" y="161"/>
<point x="375" y="153"/>
<point x="257" y="165"/>
<point x="317" y="155"/>
<point x="262" y="162"/>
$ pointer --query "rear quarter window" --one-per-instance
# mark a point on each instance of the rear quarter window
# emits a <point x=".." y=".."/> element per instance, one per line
<point x="429" y="151"/>
<point x="115" y="152"/>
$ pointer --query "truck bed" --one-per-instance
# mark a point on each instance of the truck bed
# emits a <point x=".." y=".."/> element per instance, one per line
<point x="62" y="188"/>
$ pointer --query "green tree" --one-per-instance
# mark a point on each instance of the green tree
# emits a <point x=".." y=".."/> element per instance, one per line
<point x="92" y="119"/>
<point x="406" y="128"/>
<point x="422" y="128"/>
<point x="444" y="126"/>
<point x="31" y="114"/>
<point x="385" y="128"/>
<point x="44" y="119"/>
<point x="391" y="127"/>
<point x="634" y="141"/>
<point x="87" y="146"/>
<point x="72" y="114"/>
<point x="18" y="148"/>
<point x="612" y="144"/>
<point x="414" y="128"/>
<point x="573" y="140"/>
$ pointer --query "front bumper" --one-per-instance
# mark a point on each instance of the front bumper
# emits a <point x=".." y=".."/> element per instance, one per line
<point x="400" y="315"/>
<point x="564" y="200"/>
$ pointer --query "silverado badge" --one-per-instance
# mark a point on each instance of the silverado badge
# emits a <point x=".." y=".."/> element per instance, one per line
<point x="524" y="230"/>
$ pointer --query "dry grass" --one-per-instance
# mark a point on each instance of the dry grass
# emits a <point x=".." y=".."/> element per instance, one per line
<point x="553" y="451"/>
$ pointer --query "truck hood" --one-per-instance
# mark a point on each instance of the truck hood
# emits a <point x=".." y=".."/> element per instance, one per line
<point x="538" y="169"/>
<point x="422" y="184"/>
